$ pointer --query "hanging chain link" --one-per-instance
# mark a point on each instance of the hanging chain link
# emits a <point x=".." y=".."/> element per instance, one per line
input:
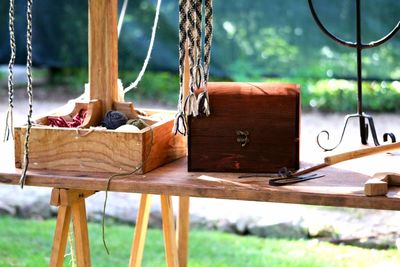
<point x="28" y="89"/>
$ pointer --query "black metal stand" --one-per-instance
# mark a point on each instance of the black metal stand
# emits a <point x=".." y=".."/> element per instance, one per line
<point x="359" y="46"/>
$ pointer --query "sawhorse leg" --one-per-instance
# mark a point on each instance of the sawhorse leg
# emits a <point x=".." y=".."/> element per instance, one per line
<point x="175" y="242"/>
<point x="70" y="202"/>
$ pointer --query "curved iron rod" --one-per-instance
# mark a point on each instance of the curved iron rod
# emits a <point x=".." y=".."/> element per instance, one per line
<point x="325" y="30"/>
<point x="370" y="124"/>
<point x="384" y="39"/>
<point x="346" y="120"/>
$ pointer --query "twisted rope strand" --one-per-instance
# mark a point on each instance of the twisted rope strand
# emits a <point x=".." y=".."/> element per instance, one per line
<point x="29" y="90"/>
<point x="203" y="105"/>
<point x="180" y="122"/>
<point x="208" y="38"/>
<point x="190" y="102"/>
<point x="149" y="51"/>
<point x="9" y="117"/>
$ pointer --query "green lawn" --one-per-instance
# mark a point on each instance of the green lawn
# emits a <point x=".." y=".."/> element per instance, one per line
<point x="28" y="243"/>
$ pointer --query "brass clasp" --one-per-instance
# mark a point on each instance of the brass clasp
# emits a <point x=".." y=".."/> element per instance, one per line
<point x="243" y="137"/>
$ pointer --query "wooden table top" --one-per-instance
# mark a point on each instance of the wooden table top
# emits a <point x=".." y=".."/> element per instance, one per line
<point x="341" y="186"/>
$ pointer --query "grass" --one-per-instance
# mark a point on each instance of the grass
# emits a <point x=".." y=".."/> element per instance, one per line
<point x="28" y="243"/>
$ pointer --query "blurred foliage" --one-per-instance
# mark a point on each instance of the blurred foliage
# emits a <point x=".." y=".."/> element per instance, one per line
<point x="323" y="94"/>
<point x="252" y="40"/>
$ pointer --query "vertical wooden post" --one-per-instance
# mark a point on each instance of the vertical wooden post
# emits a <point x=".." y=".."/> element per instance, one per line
<point x="103" y="52"/>
<point x="139" y="237"/>
<point x="183" y="223"/>
<point x="171" y="252"/>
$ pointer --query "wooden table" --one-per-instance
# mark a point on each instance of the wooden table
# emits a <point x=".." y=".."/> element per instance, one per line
<point x="342" y="186"/>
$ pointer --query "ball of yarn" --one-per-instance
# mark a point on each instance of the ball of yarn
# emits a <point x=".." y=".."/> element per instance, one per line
<point x="128" y="128"/>
<point x="139" y="123"/>
<point x="113" y="119"/>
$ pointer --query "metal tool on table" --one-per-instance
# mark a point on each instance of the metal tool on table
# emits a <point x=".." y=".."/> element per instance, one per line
<point x="285" y="177"/>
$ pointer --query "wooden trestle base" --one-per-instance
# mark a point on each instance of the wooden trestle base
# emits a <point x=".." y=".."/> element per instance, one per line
<point x="71" y="203"/>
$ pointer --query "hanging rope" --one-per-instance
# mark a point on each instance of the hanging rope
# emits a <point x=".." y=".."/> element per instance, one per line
<point x="190" y="102"/>
<point x="140" y="166"/>
<point x="28" y="89"/>
<point x="146" y="61"/>
<point x="121" y="16"/>
<point x="203" y="100"/>
<point x="180" y="117"/>
<point x="190" y="33"/>
<point x="9" y="117"/>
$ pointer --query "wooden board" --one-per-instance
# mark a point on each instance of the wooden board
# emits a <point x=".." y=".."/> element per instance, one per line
<point x="342" y="186"/>
<point x="101" y="150"/>
<point x="265" y="117"/>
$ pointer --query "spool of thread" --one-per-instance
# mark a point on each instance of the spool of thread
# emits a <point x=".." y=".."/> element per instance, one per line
<point x="114" y="119"/>
<point x="139" y="123"/>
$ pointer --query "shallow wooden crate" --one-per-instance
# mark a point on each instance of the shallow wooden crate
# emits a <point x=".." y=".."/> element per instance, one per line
<point x="101" y="150"/>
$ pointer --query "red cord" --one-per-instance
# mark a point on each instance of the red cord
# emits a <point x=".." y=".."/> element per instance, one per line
<point x="77" y="120"/>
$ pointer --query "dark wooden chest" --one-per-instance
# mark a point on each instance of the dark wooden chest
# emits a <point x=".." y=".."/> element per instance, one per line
<point x="253" y="127"/>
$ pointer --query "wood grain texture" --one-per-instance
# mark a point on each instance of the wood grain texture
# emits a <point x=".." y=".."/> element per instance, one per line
<point x="183" y="226"/>
<point x="270" y="113"/>
<point x="380" y="183"/>
<point x="170" y="246"/>
<point x="141" y="226"/>
<point x="103" y="52"/>
<point x="81" y="234"/>
<point x="101" y="150"/>
<point x="342" y="185"/>
<point x="60" y="236"/>
<point x="363" y="152"/>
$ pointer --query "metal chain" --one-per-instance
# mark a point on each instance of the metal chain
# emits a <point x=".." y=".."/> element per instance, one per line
<point x="28" y="89"/>
<point x="9" y="117"/>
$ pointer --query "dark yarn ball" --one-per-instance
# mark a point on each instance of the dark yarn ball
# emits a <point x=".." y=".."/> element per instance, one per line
<point x="113" y="119"/>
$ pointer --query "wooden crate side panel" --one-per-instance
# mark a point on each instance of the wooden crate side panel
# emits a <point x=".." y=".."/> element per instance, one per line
<point x="64" y="149"/>
<point x="166" y="146"/>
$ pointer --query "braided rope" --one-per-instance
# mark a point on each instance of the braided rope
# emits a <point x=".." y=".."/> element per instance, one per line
<point x="28" y="89"/>
<point x="180" y="123"/>
<point x="9" y="117"/>
<point x="208" y="38"/>
<point x="203" y="100"/>
<point x="190" y="102"/>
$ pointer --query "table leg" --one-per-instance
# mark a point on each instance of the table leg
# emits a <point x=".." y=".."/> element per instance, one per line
<point x="139" y="235"/>
<point x="183" y="223"/>
<point x="60" y="236"/>
<point x="171" y="252"/>
<point x="81" y="234"/>
<point x="70" y="202"/>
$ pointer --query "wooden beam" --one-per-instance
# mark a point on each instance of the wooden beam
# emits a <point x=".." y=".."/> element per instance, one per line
<point x="103" y="52"/>
<point x="183" y="224"/>
<point x="139" y="237"/>
<point x="171" y="252"/>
